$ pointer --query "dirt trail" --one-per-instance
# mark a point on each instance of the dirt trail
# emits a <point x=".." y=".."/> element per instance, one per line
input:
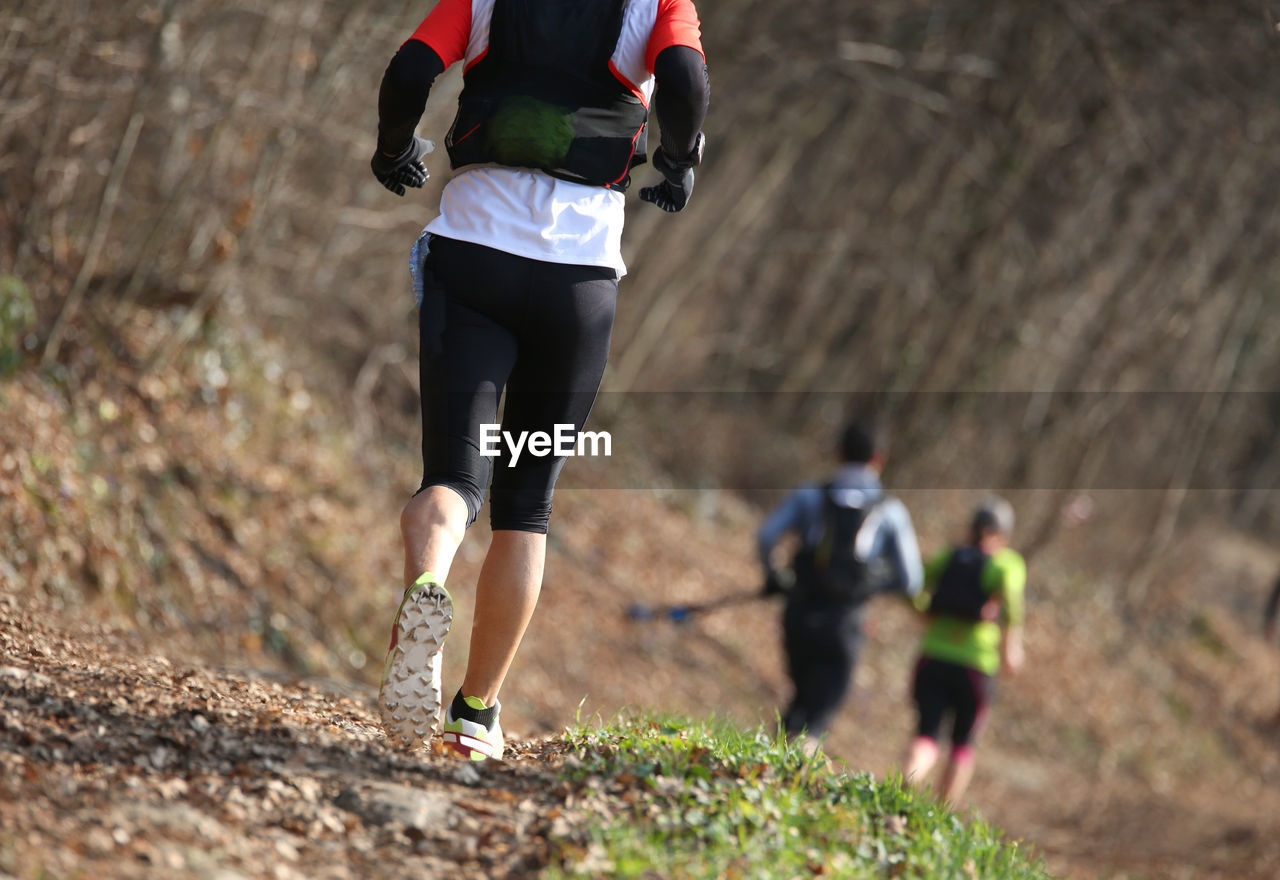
<point x="119" y="763"/>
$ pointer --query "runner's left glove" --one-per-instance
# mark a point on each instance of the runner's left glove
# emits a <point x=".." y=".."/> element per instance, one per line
<point x="673" y="193"/>
<point x="406" y="169"/>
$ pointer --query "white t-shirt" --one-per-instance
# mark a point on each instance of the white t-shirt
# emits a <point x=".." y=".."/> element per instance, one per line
<point x="531" y="214"/>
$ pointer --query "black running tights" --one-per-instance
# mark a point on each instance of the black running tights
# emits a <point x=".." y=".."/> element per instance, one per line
<point x="538" y="330"/>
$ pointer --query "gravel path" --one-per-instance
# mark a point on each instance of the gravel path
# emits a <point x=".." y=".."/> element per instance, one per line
<point x="119" y="763"/>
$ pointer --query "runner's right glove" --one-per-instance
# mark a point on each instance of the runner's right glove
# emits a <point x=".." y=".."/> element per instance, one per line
<point x="673" y="193"/>
<point x="406" y="169"/>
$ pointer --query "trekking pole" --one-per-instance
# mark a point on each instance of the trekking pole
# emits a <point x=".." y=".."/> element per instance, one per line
<point x="681" y="613"/>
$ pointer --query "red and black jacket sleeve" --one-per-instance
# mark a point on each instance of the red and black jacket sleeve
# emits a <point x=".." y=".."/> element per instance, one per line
<point x="675" y="57"/>
<point x="438" y="42"/>
<point x="680" y="102"/>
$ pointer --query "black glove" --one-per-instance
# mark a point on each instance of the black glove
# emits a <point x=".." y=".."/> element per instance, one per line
<point x="406" y="169"/>
<point x="673" y="193"/>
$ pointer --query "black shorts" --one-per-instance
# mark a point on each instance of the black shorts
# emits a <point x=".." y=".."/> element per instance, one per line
<point x="822" y="641"/>
<point x="540" y="331"/>
<point x="941" y="689"/>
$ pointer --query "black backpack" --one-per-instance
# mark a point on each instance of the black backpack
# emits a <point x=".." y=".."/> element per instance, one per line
<point x="959" y="592"/>
<point x="833" y="570"/>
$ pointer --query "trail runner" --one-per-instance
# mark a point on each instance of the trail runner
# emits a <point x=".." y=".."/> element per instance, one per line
<point x="854" y="542"/>
<point x="973" y="603"/>
<point x="518" y="277"/>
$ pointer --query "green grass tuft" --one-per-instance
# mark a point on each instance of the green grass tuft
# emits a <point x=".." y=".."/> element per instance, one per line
<point x="667" y="797"/>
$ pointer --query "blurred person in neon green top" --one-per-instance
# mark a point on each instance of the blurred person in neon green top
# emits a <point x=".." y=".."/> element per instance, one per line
<point x="973" y="604"/>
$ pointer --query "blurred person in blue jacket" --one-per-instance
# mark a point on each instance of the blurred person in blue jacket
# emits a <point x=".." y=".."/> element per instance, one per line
<point x="854" y="541"/>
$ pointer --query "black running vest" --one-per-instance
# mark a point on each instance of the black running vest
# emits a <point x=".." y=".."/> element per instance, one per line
<point x="959" y="592"/>
<point x="832" y="571"/>
<point x="543" y="95"/>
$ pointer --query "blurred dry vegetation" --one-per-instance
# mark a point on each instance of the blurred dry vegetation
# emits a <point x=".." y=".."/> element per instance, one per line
<point x="1008" y="224"/>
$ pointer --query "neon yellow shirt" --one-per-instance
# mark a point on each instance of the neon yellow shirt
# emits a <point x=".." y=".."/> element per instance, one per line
<point x="975" y="644"/>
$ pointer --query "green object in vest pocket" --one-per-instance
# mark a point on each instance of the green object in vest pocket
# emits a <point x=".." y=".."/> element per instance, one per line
<point x="526" y="131"/>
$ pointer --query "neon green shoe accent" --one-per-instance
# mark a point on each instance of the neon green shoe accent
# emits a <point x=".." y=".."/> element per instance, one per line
<point x="471" y="740"/>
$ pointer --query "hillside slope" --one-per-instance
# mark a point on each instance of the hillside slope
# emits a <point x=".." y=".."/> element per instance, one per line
<point x="972" y="196"/>
<point x="1120" y="752"/>
<point x="1043" y="237"/>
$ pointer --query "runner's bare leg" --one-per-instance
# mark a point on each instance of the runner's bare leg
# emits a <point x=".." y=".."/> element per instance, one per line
<point x="506" y="594"/>
<point x="958" y="773"/>
<point x="921" y="756"/>
<point x="432" y="525"/>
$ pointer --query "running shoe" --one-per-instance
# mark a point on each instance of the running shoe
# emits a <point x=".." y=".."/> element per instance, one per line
<point x="472" y="730"/>
<point x="409" y="697"/>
